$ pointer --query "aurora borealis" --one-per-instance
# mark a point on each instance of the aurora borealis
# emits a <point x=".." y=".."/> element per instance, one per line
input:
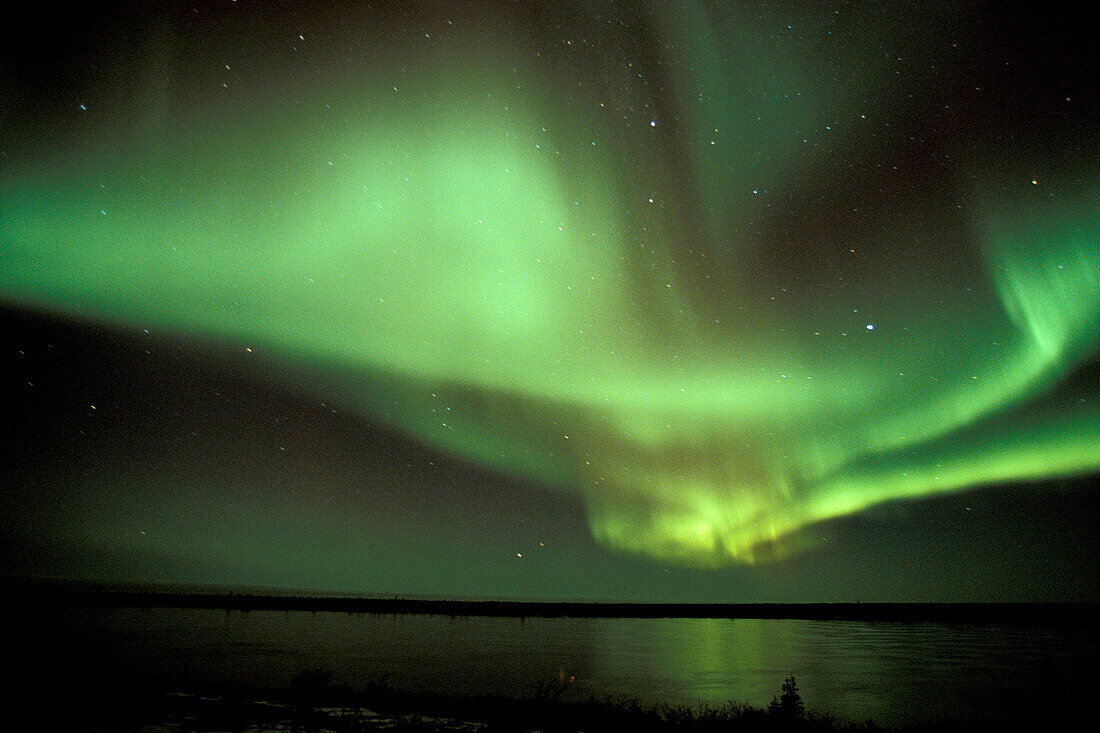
<point x="716" y="272"/>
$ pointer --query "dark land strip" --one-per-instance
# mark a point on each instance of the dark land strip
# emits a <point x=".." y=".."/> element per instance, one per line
<point x="1044" y="614"/>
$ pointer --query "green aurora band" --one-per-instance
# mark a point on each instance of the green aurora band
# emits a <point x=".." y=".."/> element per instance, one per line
<point x="646" y="281"/>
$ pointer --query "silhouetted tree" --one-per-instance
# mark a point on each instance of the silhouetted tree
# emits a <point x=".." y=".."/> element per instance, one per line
<point x="789" y="703"/>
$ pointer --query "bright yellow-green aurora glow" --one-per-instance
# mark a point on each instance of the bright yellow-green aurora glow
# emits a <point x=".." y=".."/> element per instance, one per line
<point x="697" y="319"/>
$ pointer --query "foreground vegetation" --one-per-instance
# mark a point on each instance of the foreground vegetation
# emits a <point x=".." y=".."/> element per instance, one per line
<point x="313" y="703"/>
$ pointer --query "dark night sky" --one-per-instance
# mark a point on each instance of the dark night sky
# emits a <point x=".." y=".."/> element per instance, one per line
<point x="673" y="302"/>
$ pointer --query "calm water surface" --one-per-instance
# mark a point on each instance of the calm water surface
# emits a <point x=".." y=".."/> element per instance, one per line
<point x="889" y="672"/>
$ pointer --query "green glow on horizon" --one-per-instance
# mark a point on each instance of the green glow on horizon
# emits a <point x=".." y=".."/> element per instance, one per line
<point x="519" y="296"/>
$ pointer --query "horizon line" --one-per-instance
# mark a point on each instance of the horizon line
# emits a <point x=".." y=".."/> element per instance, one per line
<point x="1041" y="613"/>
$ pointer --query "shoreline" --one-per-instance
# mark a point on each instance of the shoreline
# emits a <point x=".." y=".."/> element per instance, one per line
<point x="313" y="701"/>
<point x="1041" y="614"/>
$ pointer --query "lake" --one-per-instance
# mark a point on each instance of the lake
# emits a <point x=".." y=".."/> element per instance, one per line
<point x="890" y="672"/>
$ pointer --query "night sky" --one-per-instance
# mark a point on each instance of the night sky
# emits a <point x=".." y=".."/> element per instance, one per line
<point x="687" y="301"/>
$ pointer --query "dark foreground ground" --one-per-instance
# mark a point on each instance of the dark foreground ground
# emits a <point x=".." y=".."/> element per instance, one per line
<point x="313" y="702"/>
